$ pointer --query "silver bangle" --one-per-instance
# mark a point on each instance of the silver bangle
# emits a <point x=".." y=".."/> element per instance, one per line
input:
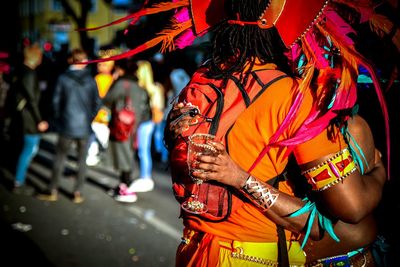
<point x="261" y="194"/>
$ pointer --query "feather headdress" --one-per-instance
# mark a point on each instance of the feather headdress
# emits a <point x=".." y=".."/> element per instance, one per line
<point x="316" y="33"/>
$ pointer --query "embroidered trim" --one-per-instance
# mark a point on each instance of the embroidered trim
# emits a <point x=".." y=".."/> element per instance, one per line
<point x="260" y="193"/>
<point x="239" y="255"/>
<point x="341" y="260"/>
<point x="331" y="171"/>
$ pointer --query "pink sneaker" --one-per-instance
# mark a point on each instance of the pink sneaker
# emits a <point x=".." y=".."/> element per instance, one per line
<point x="123" y="195"/>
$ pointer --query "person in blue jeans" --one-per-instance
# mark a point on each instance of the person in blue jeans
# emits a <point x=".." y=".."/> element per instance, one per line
<point x="144" y="137"/>
<point x="30" y="149"/>
<point x="27" y="111"/>
<point x="144" y="73"/>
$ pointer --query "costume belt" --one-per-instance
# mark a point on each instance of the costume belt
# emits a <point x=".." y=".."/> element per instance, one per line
<point x="358" y="258"/>
<point x="265" y="253"/>
<point x="236" y="252"/>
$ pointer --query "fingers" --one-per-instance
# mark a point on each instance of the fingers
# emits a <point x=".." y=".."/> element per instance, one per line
<point x="194" y="121"/>
<point x="205" y="164"/>
<point x="179" y="105"/>
<point x="219" y="147"/>
<point x="180" y="126"/>
<point x="183" y="124"/>
<point x="208" y="159"/>
<point x="205" y="176"/>
<point x="182" y="114"/>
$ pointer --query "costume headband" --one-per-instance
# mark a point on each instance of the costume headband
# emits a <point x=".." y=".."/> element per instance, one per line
<point x="290" y="17"/>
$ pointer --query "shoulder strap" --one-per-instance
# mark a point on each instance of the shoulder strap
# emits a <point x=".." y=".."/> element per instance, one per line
<point x="240" y="86"/>
<point x="268" y="84"/>
<point x="220" y="107"/>
<point x="266" y="148"/>
<point x="283" y="256"/>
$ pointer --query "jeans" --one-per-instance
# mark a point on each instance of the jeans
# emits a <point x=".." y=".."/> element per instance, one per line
<point x="30" y="149"/>
<point x="159" y="140"/>
<point x="144" y="136"/>
<point x="64" y="143"/>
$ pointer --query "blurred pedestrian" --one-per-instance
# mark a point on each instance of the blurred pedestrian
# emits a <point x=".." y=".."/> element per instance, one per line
<point x="4" y="87"/>
<point x="27" y="96"/>
<point x="179" y="78"/>
<point x="98" y="141"/>
<point x="76" y="102"/>
<point x="145" y="77"/>
<point x="122" y="152"/>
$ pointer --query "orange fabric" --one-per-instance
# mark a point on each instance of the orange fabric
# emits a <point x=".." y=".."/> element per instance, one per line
<point x="201" y="250"/>
<point x="306" y="152"/>
<point x="245" y="141"/>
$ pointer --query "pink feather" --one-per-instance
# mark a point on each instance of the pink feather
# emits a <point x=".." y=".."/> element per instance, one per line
<point x="187" y="37"/>
<point x="320" y="61"/>
<point x="337" y="25"/>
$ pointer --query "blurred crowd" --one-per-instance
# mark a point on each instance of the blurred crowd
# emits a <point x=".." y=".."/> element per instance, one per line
<point x="78" y="100"/>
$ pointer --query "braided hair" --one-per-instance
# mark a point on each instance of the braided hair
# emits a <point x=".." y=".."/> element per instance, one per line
<point x="236" y="47"/>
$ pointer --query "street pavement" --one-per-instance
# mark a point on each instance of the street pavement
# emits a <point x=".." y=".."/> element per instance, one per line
<point x="99" y="232"/>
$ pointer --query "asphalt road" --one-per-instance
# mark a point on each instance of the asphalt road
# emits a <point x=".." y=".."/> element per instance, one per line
<point x="99" y="232"/>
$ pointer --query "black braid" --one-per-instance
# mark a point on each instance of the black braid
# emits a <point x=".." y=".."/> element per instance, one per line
<point x="235" y="46"/>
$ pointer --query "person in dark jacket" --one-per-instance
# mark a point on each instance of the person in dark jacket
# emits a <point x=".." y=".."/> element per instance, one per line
<point x="27" y="109"/>
<point x="122" y="152"/>
<point x="75" y="102"/>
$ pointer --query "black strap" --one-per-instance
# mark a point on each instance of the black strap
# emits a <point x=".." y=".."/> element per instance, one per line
<point x="240" y="86"/>
<point x="283" y="256"/>
<point x="268" y="84"/>
<point x="218" y="112"/>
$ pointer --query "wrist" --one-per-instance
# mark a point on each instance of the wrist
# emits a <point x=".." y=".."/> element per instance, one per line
<point x="260" y="193"/>
<point x="242" y="180"/>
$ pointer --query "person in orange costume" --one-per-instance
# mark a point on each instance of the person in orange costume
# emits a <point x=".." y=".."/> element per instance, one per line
<point x="217" y="241"/>
<point x="303" y="57"/>
<point x="275" y="125"/>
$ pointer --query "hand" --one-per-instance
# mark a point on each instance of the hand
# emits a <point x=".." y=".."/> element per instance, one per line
<point x="42" y="126"/>
<point x="181" y="117"/>
<point x="220" y="168"/>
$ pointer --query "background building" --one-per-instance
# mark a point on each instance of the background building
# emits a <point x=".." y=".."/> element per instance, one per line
<point x="50" y="23"/>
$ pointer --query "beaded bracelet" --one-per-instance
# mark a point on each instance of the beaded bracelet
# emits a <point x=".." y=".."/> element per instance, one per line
<point x="331" y="171"/>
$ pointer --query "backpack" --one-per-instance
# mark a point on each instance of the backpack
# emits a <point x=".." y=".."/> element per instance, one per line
<point x="220" y="109"/>
<point x="123" y="120"/>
